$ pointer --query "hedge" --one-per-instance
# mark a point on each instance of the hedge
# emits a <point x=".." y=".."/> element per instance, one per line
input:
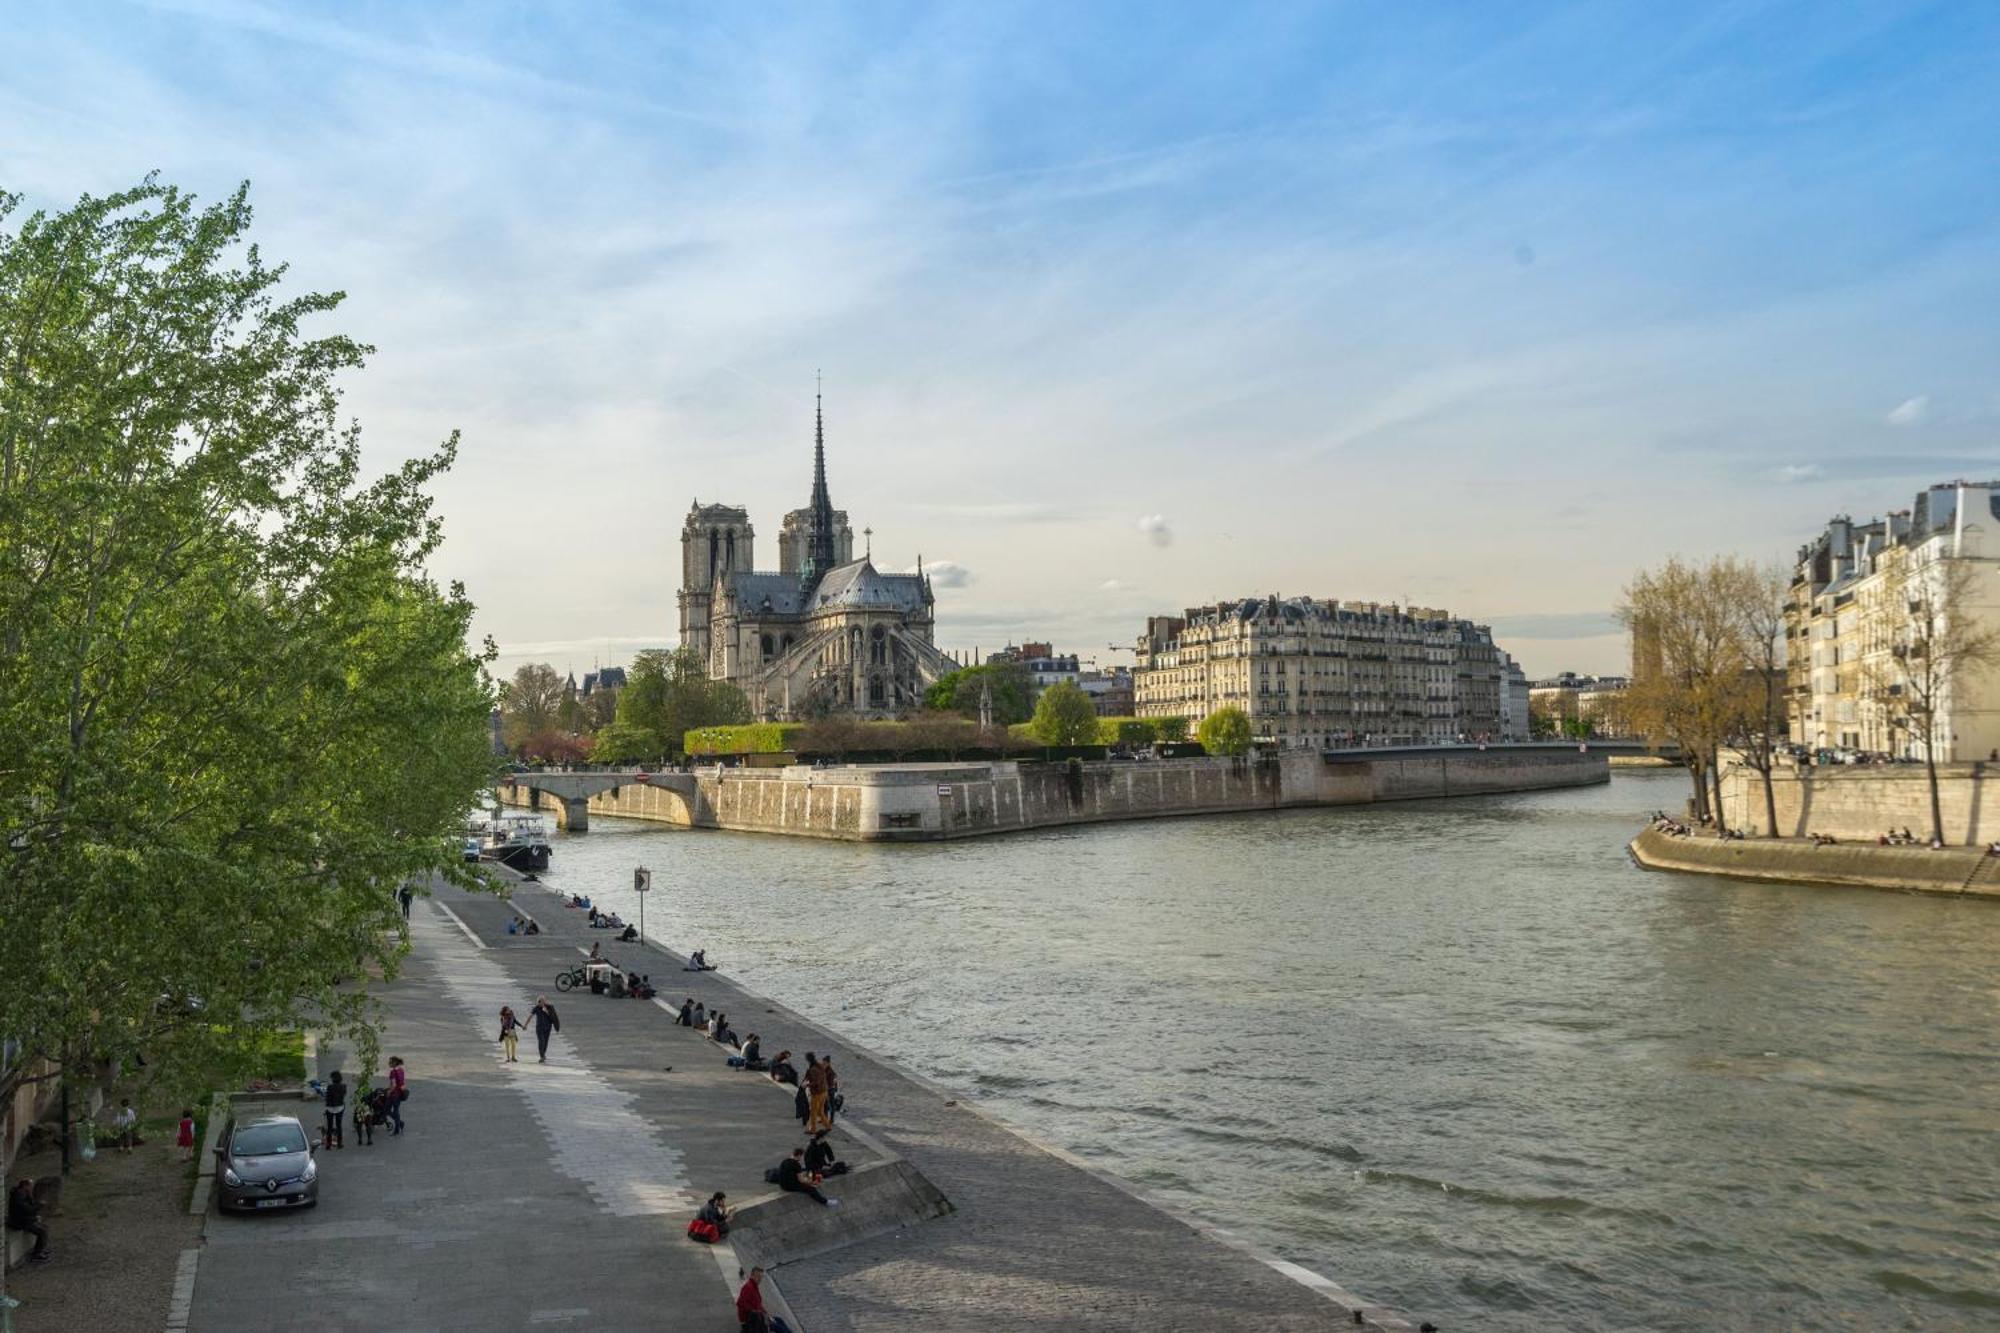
<point x="750" y="738"/>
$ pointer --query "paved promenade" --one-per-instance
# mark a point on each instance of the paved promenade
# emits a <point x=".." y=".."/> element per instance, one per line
<point x="532" y="1196"/>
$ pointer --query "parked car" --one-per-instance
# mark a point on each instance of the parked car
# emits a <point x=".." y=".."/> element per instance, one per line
<point x="470" y="849"/>
<point x="266" y="1163"/>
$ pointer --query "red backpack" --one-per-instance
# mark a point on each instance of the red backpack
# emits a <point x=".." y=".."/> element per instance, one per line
<point x="703" y="1230"/>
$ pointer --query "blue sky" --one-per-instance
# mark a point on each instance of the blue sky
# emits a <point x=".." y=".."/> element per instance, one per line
<point x="1120" y="308"/>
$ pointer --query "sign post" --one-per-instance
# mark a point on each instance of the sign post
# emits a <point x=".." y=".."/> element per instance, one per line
<point x="642" y="881"/>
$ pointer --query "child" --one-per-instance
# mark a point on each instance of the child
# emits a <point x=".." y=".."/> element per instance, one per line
<point x="126" y="1123"/>
<point x="184" y="1140"/>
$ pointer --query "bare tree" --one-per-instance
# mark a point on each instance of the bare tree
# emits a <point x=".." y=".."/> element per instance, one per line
<point x="1933" y="641"/>
<point x="1760" y="727"/>
<point x="1686" y="623"/>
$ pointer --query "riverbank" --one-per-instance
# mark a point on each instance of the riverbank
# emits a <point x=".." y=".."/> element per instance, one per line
<point x="1966" y="871"/>
<point x="1032" y="1237"/>
<point x="948" y="801"/>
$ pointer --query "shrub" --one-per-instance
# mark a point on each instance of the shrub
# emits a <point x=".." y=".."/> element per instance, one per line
<point x="748" y="738"/>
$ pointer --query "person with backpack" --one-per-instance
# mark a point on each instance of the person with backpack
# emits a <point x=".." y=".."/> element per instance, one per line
<point x="715" y="1214"/>
<point x="546" y="1022"/>
<point x="335" y="1107"/>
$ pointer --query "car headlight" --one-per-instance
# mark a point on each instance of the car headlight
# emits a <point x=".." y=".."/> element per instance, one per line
<point x="311" y="1172"/>
<point x="230" y="1178"/>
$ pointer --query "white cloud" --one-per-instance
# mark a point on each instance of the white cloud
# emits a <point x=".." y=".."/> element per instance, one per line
<point x="1910" y="411"/>
<point x="1156" y="529"/>
<point x="1112" y="585"/>
<point x="1793" y="473"/>
<point x="944" y="573"/>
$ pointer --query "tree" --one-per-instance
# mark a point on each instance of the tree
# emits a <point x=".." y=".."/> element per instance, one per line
<point x="1759" y="728"/>
<point x="959" y="692"/>
<point x="1170" y="730"/>
<point x="1064" y="715"/>
<point x="1688" y="659"/>
<point x="239" y="714"/>
<point x="1225" y="731"/>
<point x="531" y="702"/>
<point x="666" y="695"/>
<point x="1931" y="642"/>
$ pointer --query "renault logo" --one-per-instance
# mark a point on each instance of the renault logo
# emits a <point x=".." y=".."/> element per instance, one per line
<point x="271" y="1186"/>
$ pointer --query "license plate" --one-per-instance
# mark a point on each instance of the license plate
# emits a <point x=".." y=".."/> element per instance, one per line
<point x="272" y="1203"/>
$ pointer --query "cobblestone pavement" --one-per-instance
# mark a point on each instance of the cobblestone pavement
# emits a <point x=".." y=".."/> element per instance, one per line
<point x="1038" y="1241"/>
<point x="521" y="1196"/>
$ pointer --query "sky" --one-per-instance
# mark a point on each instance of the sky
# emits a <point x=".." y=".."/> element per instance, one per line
<point x="1119" y="308"/>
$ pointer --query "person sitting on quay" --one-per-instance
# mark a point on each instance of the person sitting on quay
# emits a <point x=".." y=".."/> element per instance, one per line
<point x="532" y="928"/>
<point x="716" y="1213"/>
<point x="596" y="954"/>
<point x="700" y="1016"/>
<point x="24" y="1214"/>
<point x="642" y="987"/>
<point x="722" y="1034"/>
<point x="686" y="1016"/>
<point x="630" y="936"/>
<point x="753" y="1053"/>
<point x="792" y="1177"/>
<point x="750" y="1313"/>
<point x="782" y="1071"/>
<point x="820" y="1159"/>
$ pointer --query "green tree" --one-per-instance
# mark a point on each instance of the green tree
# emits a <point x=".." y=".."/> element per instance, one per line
<point x="959" y="692"/>
<point x="666" y="695"/>
<point x="1064" y="715"/>
<point x="530" y="703"/>
<point x="1171" y="730"/>
<point x="1225" y="731"/>
<point x="238" y="714"/>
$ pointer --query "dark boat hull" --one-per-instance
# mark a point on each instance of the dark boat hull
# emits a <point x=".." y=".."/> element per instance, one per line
<point x="524" y="857"/>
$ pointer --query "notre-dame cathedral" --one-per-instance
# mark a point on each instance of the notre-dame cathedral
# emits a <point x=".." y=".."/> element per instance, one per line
<point x="822" y="634"/>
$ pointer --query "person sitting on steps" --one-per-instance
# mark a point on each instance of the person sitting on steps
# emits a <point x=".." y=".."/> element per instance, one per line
<point x="782" y="1071"/>
<point x="820" y="1159"/>
<point x="791" y="1177"/>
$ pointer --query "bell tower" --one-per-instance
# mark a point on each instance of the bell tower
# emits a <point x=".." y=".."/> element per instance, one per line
<point x="716" y="540"/>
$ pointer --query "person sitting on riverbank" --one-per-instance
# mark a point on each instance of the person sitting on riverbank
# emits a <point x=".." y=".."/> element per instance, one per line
<point x="630" y="936"/>
<point x="641" y="987"/>
<point x="820" y="1159"/>
<point x="1822" y="839"/>
<point x="722" y="1035"/>
<point x="716" y="1213"/>
<point x="700" y="960"/>
<point x="791" y="1176"/>
<point x="782" y="1071"/>
<point x="532" y="928"/>
<point x="596" y="954"/>
<point x="700" y="1016"/>
<point x="751" y="1056"/>
<point x="686" y="1016"/>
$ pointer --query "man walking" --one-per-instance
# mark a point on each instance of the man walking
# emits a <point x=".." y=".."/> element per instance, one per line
<point x="818" y="1088"/>
<point x="24" y="1214"/>
<point x="403" y="895"/>
<point x="546" y="1021"/>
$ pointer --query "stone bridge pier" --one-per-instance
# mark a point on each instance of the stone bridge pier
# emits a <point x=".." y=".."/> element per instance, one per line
<point x="570" y="793"/>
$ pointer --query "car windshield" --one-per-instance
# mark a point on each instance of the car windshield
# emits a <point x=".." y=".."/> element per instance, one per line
<point x="266" y="1140"/>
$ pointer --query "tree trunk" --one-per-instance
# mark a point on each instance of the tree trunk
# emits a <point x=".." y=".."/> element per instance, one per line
<point x="1715" y="780"/>
<point x="1937" y="810"/>
<point x="1700" y="804"/>
<point x="1770" y="799"/>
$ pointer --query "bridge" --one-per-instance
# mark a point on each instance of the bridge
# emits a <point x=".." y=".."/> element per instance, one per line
<point x="570" y="792"/>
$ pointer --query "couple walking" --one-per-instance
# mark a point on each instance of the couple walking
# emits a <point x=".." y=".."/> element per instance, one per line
<point x="819" y="1088"/>
<point x="543" y="1016"/>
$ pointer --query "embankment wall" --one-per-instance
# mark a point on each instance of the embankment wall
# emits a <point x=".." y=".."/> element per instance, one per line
<point x="1864" y="801"/>
<point x="935" y="802"/>
<point x="1910" y="869"/>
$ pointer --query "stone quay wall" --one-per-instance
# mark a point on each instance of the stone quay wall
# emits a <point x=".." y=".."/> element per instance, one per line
<point x="1956" y="870"/>
<point x="1864" y="801"/>
<point x="937" y="802"/>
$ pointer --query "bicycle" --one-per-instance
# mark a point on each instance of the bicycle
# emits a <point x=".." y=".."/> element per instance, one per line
<point x="570" y="980"/>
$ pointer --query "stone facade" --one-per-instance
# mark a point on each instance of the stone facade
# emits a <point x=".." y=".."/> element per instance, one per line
<point x="1862" y="802"/>
<point x="1844" y="626"/>
<point x="825" y="633"/>
<point x="1319" y="673"/>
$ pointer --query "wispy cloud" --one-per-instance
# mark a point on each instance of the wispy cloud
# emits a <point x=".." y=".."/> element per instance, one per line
<point x="944" y="573"/>
<point x="1157" y="530"/>
<point x="1793" y="473"/>
<point x="1910" y="412"/>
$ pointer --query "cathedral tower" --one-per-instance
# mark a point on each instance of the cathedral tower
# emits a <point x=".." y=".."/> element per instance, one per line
<point x="716" y="541"/>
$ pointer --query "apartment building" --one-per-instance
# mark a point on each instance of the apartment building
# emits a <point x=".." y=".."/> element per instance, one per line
<point x="1843" y="631"/>
<point x="1314" y="673"/>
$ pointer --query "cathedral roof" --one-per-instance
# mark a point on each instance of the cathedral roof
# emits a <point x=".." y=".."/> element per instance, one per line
<point x="859" y="586"/>
<point x="782" y="591"/>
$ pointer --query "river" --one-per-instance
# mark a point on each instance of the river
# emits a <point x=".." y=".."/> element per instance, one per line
<point x="1460" y="1056"/>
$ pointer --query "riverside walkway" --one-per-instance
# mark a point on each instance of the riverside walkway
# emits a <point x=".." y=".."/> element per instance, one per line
<point x="557" y="1195"/>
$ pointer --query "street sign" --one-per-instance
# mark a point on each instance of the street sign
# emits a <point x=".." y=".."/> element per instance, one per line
<point x="944" y="789"/>
<point x="642" y="880"/>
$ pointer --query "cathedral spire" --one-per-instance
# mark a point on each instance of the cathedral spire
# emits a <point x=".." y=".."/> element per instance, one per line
<point x="819" y="536"/>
